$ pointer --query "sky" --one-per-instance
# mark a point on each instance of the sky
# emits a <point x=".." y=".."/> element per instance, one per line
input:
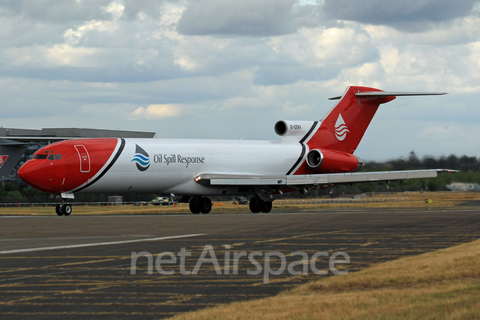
<point x="229" y="69"/>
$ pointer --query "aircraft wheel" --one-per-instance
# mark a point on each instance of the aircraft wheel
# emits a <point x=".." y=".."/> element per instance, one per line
<point x="254" y="205"/>
<point x="58" y="210"/>
<point x="67" y="209"/>
<point x="205" y="205"/>
<point x="266" y="206"/>
<point x="194" y="205"/>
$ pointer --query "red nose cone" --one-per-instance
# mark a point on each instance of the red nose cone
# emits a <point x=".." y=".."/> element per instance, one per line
<point x="38" y="174"/>
<point x="23" y="172"/>
<point x="30" y="173"/>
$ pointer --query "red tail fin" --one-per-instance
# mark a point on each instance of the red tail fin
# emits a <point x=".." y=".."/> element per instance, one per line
<point x="330" y="148"/>
<point x="344" y="126"/>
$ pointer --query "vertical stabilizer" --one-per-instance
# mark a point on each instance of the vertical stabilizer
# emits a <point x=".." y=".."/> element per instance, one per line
<point x="343" y="127"/>
<point x="330" y="144"/>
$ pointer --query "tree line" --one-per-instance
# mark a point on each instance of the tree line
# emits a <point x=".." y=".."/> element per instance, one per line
<point x="412" y="162"/>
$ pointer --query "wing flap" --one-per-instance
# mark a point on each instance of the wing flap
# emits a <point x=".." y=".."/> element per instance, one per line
<point x="316" y="179"/>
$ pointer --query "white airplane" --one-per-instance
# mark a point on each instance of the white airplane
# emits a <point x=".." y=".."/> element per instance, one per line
<point x="310" y="154"/>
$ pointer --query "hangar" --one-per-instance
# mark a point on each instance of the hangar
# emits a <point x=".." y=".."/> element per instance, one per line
<point x="17" y="145"/>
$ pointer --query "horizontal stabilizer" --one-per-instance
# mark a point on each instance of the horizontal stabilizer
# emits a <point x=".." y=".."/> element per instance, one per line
<point x="316" y="179"/>
<point x="392" y="94"/>
<point x="397" y="94"/>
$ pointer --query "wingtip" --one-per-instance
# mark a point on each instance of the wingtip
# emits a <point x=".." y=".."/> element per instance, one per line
<point x="447" y="170"/>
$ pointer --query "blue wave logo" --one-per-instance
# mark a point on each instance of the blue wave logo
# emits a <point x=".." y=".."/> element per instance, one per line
<point x="141" y="158"/>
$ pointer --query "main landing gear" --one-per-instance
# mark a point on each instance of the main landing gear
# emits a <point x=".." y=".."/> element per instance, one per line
<point x="204" y="205"/>
<point x="63" y="209"/>
<point x="258" y="205"/>
<point x="200" y="204"/>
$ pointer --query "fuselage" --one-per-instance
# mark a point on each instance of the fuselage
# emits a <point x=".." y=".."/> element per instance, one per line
<point x="161" y="166"/>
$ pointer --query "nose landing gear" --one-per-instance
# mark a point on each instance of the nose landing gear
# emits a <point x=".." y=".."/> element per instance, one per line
<point x="63" y="209"/>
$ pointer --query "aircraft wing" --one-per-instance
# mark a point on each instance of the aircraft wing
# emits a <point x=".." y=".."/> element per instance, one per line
<point x="219" y="179"/>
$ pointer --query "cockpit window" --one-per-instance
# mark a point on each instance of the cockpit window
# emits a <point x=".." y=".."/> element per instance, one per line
<point x="51" y="156"/>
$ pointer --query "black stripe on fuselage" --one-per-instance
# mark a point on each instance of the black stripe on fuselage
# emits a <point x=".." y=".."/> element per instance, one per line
<point x="304" y="148"/>
<point x="119" y="152"/>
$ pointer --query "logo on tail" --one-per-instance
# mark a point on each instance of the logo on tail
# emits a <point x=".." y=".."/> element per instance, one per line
<point x="341" y="128"/>
<point x="141" y="158"/>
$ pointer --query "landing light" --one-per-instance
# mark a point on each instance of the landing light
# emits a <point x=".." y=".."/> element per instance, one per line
<point x="197" y="179"/>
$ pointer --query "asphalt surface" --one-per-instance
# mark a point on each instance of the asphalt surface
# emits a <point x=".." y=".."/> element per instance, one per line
<point x="81" y="266"/>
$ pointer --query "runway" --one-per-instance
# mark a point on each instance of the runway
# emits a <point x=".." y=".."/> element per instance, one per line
<point x="81" y="266"/>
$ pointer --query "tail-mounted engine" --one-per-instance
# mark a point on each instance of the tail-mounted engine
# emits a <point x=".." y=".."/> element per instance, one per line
<point x="333" y="161"/>
<point x="296" y="129"/>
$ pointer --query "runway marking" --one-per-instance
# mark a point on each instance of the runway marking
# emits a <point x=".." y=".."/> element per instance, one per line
<point x="70" y="238"/>
<point x="98" y="244"/>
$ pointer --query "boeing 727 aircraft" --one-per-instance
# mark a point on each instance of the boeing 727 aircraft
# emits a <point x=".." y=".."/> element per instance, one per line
<point x="310" y="154"/>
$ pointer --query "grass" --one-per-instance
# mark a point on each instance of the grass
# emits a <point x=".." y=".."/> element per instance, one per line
<point x="444" y="284"/>
<point x="414" y="200"/>
<point x="399" y="200"/>
<point x="93" y="210"/>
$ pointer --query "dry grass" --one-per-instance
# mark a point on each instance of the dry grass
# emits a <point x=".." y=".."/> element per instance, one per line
<point x="398" y="200"/>
<point x="439" y="285"/>
<point x="415" y="200"/>
<point x="92" y="210"/>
